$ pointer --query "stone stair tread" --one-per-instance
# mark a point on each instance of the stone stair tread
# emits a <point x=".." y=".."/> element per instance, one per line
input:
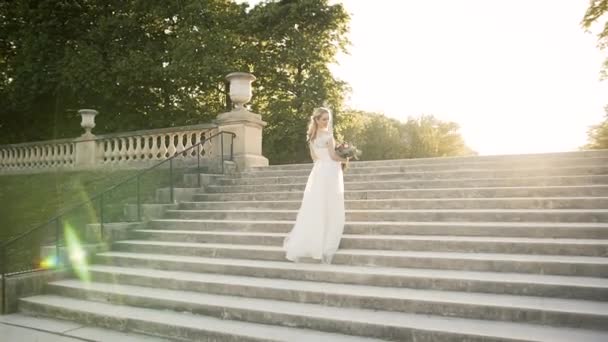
<point x="565" y="156"/>
<point x="471" y="168"/>
<point x="198" y="322"/>
<point x="203" y="232"/>
<point x="402" y="210"/>
<point x="212" y="220"/>
<point x="398" y="237"/>
<point x="497" y="329"/>
<point x="417" y="223"/>
<point x="451" y="199"/>
<point x="236" y="202"/>
<point x="466" y="166"/>
<point x="376" y="270"/>
<point x="417" y="180"/>
<point x="70" y="329"/>
<point x="443" y="255"/>
<point x="432" y="162"/>
<point x="592" y="186"/>
<point x="417" y="270"/>
<point x="363" y="176"/>
<point x="437" y="215"/>
<point x="392" y="293"/>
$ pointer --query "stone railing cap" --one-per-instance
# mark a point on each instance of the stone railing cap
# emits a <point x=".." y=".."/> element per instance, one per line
<point x="240" y="74"/>
<point x="114" y="135"/>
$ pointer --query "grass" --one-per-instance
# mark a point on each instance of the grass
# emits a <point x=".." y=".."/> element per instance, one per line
<point x="28" y="201"/>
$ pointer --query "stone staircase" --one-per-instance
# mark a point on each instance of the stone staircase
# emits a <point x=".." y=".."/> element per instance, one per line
<point x="497" y="248"/>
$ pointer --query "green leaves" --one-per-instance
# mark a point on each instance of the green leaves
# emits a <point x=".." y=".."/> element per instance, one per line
<point x="594" y="14"/>
<point x="380" y="137"/>
<point x="142" y="64"/>
<point x="293" y="42"/>
<point x="598" y="135"/>
<point x="148" y="64"/>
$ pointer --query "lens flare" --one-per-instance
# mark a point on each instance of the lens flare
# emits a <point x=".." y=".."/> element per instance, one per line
<point x="76" y="254"/>
<point x="49" y="262"/>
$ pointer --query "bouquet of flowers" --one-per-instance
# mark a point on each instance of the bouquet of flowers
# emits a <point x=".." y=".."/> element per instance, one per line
<point x="346" y="150"/>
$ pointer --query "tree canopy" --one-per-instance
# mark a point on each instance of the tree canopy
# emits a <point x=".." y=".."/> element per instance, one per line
<point x="597" y="135"/>
<point x="150" y="64"/>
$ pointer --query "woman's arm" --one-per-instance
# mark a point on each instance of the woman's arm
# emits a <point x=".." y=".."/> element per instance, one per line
<point x="331" y="145"/>
<point x="313" y="156"/>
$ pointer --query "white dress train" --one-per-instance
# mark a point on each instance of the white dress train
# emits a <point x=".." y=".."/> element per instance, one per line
<point x="320" y="221"/>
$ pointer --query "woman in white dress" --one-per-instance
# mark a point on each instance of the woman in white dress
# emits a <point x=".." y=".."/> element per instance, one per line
<point x="320" y="221"/>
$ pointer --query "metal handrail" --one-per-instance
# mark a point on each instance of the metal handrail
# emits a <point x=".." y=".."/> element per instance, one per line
<point x="4" y="246"/>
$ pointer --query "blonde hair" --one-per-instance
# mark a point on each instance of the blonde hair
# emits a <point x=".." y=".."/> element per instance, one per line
<point x="311" y="133"/>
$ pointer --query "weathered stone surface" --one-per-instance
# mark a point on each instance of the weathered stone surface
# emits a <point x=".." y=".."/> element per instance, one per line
<point x="498" y="248"/>
<point x="28" y="284"/>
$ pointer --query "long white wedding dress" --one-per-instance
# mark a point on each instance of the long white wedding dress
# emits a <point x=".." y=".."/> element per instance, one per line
<point x="320" y="221"/>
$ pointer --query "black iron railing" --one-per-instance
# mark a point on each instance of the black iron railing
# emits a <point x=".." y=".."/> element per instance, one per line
<point x="56" y="224"/>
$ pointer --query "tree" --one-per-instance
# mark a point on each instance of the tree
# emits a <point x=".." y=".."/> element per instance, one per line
<point x="597" y="9"/>
<point x="293" y="44"/>
<point x="598" y="135"/>
<point x="380" y="137"/>
<point x="144" y="64"/>
<point x="32" y="37"/>
<point x="427" y="136"/>
<point x="352" y="125"/>
<point x="150" y="63"/>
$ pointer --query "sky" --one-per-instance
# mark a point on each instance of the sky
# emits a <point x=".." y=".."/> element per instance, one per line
<point x="518" y="76"/>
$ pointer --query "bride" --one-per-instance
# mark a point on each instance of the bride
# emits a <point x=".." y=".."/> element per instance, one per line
<point x="320" y="221"/>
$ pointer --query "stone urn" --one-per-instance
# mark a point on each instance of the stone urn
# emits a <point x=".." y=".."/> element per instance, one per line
<point x="88" y="120"/>
<point x="240" y="88"/>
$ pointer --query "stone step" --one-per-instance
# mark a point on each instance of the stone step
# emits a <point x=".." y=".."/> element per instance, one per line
<point x="413" y="203"/>
<point x="497" y="229"/>
<point x="520" y="263"/>
<point x="357" y="168"/>
<point x="467" y="244"/>
<point x="434" y="183"/>
<point x="378" y="175"/>
<point x="440" y="193"/>
<point x="360" y="322"/>
<point x="429" y="279"/>
<point x="547" y="159"/>
<point x="176" y="325"/>
<point x="23" y="328"/>
<point x="436" y="215"/>
<point x="526" y="309"/>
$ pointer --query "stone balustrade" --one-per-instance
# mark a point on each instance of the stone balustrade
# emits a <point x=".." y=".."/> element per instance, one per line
<point x="138" y="149"/>
<point x="141" y="149"/>
<point x="154" y="145"/>
<point x="37" y="155"/>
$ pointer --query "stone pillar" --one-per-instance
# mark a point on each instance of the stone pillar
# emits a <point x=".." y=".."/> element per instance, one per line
<point x="246" y="125"/>
<point x="85" y="145"/>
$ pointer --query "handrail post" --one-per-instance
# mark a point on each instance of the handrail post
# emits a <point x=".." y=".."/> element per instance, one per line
<point x="232" y="146"/>
<point x="198" y="164"/>
<point x="3" y="266"/>
<point x="101" y="216"/>
<point x="98" y="199"/>
<point x="138" y="201"/>
<point x="171" y="179"/>
<point x="222" y="149"/>
<point x="57" y="232"/>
